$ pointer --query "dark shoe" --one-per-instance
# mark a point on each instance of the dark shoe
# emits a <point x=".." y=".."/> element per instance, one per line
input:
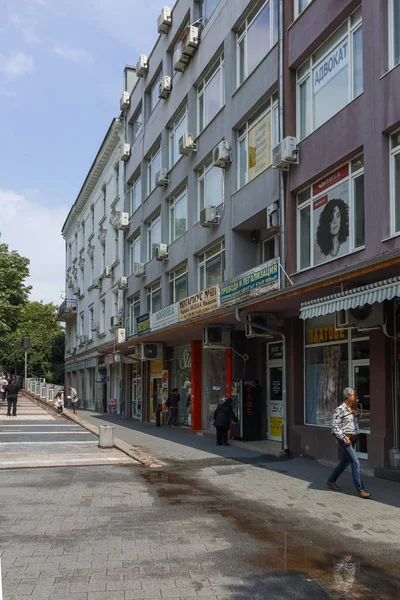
<point x="332" y="485"/>
<point x="364" y="494"/>
<point x="226" y="444"/>
<point x="219" y="444"/>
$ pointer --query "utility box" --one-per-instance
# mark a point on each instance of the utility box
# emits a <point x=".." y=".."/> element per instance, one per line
<point x="106" y="436"/>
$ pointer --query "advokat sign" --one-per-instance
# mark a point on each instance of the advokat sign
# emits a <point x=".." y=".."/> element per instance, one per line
<point x="256" y="282"/>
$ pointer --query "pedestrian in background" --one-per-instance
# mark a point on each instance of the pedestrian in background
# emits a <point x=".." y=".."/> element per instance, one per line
<point x="345" y="428"/>
<point x="223" y="416"/>
<point x="3" y="383"/>
<point x="172" y="403"/>
<point x="59" y="403"/>
<point x="74" y="398"/>
<point x="11" y="390"/>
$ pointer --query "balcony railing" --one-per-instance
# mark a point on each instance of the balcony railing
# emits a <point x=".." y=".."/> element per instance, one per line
<point x="67" y="310"/>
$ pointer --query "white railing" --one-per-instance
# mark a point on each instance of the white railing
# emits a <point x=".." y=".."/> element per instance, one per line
<point x="40" y="389"/>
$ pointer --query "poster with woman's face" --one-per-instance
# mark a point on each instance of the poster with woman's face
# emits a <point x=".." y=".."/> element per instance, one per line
<point x="331" y="224"/>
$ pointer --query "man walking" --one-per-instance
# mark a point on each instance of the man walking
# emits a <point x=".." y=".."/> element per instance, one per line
<point x="11" y="390"/>
<point x="345" y="429"/>
<point x="73" y="397"/>
<point x="173" y="403"/>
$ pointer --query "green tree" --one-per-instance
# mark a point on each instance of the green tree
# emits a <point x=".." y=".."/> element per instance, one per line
<point x="14" y="269"/>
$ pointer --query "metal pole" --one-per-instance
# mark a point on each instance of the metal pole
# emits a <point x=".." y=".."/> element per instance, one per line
<point x="1" y="585"/>
<point x="26" y="372"/>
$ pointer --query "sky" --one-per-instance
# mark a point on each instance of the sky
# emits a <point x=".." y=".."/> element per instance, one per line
<point x="61" y="78"/>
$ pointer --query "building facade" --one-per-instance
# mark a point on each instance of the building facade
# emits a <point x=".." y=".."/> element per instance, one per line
<point x="285" y="278"/>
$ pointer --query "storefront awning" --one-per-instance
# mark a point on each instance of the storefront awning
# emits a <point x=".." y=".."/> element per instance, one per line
<point x="367" y="294"/>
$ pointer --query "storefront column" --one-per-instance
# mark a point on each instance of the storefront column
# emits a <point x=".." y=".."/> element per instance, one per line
<point x="228" y="368"/>
<point x="197" y="348"/>
<point x="380" y="438"/>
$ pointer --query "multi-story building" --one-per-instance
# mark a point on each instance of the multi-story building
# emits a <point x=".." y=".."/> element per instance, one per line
<point x="237" y="270"/>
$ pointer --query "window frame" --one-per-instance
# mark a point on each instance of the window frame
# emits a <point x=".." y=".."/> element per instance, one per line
<point x="218" y="66"/>
<point x="133" y="304"/>
<point x="394" y="152"/>
<point x="153" y="88"/>
<point x="350" y="178"/>
<point x="136" y="131"/>
<point x="132" y="186"/>
<point x="173" y="277"/>
<point x="134" y="242"/>
<point x="297" y="11"/>
<point x="204" y="16"/>
<point x="202" y="260"/>
<point x="178" y="120"/>
<point x="308" y="66"/>
<point x="275" y="239"/>
<point x="149" y="227"/>
<point x="391" y="36"/>
<point x="149" y="167"/>
<point x="172" y="203"/>
<point x="91" y="322"/>
<point x="150" y="290"/>
<point x="201" y="176"/>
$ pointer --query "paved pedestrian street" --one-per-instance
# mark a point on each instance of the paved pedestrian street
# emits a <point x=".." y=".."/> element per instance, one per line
<point x="215" y="528"/>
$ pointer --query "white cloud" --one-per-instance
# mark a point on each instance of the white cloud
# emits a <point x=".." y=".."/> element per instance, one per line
<point x="16" y="64"/>
<point x="25" y="27"/>
<point x="33" y="229"/>
<point x="73" y="54"/>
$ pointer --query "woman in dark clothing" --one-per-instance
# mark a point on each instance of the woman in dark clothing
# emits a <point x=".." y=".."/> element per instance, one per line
<point x="11" y="391"/>
<point x="222" y="421"/>
<point x="172" y="404"/>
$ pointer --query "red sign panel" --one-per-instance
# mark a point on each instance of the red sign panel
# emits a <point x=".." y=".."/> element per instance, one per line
<point x="320" y="202"/>
<point x="330" y="180"/>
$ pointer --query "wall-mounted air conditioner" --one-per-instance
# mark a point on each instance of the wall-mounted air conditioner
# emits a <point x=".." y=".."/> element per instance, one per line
<point x="369" y="316"/>
<point x="180" y="60"/>
<point x="120" y="336"/>
<point x="165" y="87"/>
<point x="273" y="217"/>
<point x="285" y="153"/>
<point x="139" y="270"/>
<point x="125" y="101"/>
<point x="107" y="274"/>
<point x="161" y="252"/>
<point x="164" y="21"/>
<point x="123" y="283"/>
<point x="187" y="145"/>
<point x="142" y="66"/>
<point x="96" y="283"/>
<point x="162" y="179"/>
<point x="123" y="221"/>
<point x="216" y="335"/>
<point x="126" y="152"/>
<point x="95" y="327"/>
<point x="115" y="321"/>
<point x="209" y="217"/>
<point x="152" y="352"/>
<point x="222" y="155"/>
<point x="190" y="42"/>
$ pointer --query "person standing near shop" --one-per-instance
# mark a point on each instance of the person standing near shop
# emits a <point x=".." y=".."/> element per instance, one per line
<point x="73" y="397"/>
<point x="172" y="403"/>
<point x="11" y="390"/>
<point x="223" y="416"/>
<point x="3" y="383"/>
<point x="345" y="428"/>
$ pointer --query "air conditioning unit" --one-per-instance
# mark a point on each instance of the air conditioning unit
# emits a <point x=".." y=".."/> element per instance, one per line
<point x="107" y="274"/>
<point x="96" y="283"/>
<point x="152" y="352"/>
<point x="162" y="179"/>
<point x="180" y="61"/>
<point x="209" y="217"/>
<point x="369" y="316"/>
<point x="161" y="252"/>
<point x="142" y="66"/>
<point x="125" y="101"/>
<point x="120" y="336"/>
<point x="191" y="41"/>
<point x="123" y="283"/>
<point x="83" y="339"/>
<point x="222" y="155"/>
<point x="95" y="327"/>
<point x="187" y="145"/>
<point x="115" y="321"/>
<point x="123" y="221"/>
<point x="164" y="21"/>
<point x="139" y="270"/>
<point x="136" y="352"/>
<point x="126" y="152"/>
<point x="165" y="87"/>
<point x="216" y="335"/>
<point x="285" y="153"/>
<point x="252" y="331"/>
<point x="273" y="217"/>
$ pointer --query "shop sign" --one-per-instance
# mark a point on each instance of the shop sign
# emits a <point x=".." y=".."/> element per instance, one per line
<point x="199" y="304"/>
<point x="156" y="368"/>
<point x="91" y="363"/>
<point x="112" y="406"/>
<point x="275" y="351"/>
<point x="331" y="65"/>
<point x="259" y="156"/>
<point x="165" y="317"/>
<point x="330" y="180"/>
<point x="73" y="367"/>
<point x="185" y="361"/>
<point x="260" y="280"/>
<point x="275" y="427"/>
<point x="81" y="365"/>
<point x="143" y="324"/>
<point x="329" y="333"/>
<point x="109" y="359"/>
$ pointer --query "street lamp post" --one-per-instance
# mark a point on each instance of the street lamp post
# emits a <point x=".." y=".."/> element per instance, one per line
<point x="25" y="343"/>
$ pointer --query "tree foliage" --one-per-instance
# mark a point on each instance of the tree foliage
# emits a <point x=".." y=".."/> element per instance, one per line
<point x="14" y="269"/>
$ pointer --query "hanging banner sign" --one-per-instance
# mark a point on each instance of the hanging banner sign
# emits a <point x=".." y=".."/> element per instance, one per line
<point x="256" y="282"/>
<point x="199" y="304"/>
<point x="165" y="317"/>
<point x="109" y="359"/>
<point x="143" y="324"/>
<point x="330" y="66"/>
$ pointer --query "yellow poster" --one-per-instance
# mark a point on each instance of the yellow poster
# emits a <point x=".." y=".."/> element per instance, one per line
<point x="260" y="147"/>
<point x="275" y="427"/>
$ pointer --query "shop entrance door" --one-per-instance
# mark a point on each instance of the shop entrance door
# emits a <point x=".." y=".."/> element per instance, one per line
<point x="274" y="400"/>
<point x="361" y="383"/>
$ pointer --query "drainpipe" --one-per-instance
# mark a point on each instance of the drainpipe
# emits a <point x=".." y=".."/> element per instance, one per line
<point x="281" y="136"/>
<point x="284" y="402"/>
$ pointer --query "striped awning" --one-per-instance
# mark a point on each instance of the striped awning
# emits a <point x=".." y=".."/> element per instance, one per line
<point x="367" y="294"/>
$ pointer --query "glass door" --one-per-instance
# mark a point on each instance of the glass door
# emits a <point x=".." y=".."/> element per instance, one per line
<point x="361" y="383"/>
<point x="274" y="400"/>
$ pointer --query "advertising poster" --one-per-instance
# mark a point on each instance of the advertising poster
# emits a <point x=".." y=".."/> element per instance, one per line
<point x="331" y="224"/>
<point x="260" y="147"/>
<point x="199" y="304"/>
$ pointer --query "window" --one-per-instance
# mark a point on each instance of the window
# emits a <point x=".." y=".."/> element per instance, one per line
<point x="69" y="254"/>
<point x="178" y="284"/>
<point x="92" y="217"/>
<point x="103" y="257"/>
<point x="332" y="78"/>
<point x="83" y="234"/>
<point x="211" y="94"/>
<point x="256" y="37"/>
<point x="256" y="138"/>
<point x="116" y="245"/>
<point x="153" y="94"/>
<point x="82" y="324"/>
<point x="300" y="5"/>
<point x="395" y="183"/>
<point x="210" y="185"/>
<point x="103" y="316"/>
<point x="394" y="33"/>
<point x="270" y="248"/>
<point x="177" y="129"/>
<point x="134" y="312"/>
<point x="207" y="8"/>
<point x="153" y="236"/>
<point x="134" y="253"/>
<point x="91" y="322"/>
<point x="116" y="181"/>
<point x="212" y="266"/>
<point x="330" y="216"/>
<point x="178" y="215"/>
<point x="104" y="189"/>
<point x="153" y="165"/>
<point x="135" y="194"/>
<point x="91" y="270"/>
<point x="154" y="298"/>
<point x="137" y="123"/>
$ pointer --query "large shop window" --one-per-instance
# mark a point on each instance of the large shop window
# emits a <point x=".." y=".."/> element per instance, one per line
<point x="153" y="236"/>
<point x="333" y="360"/>
<point x="181" y="379"/>
<point x="212" y="266"/>
<point x="210" y="185"/>
<point x="153" y="165"/>
<point x="256" y="139"/>
<point x="330" y="216"/>
<point x="395" y="183"/>
<point x="332" y="78"/>
<point x="178" y="215"/>
<point x="176" y="131"/>
<point x="211" y="94"/>
<point x="394" y="33"/>
<point x="178" y="284"/>
<point x="154" y="298"/>
<point x="255" y="38"/>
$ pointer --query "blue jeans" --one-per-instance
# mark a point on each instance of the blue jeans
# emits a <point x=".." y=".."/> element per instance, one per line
<point x="349" y="456"/>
